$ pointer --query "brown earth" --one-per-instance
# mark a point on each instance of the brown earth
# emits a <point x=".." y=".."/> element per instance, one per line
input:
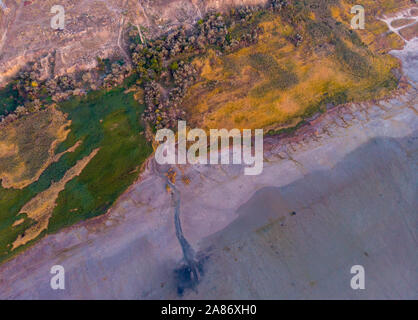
<point x="93" y="28"/>
<point x="401" y="22"/>
<point x="410" y="32"/>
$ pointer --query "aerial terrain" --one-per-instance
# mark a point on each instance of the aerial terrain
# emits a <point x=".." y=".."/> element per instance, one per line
<point x="80" y="185"/>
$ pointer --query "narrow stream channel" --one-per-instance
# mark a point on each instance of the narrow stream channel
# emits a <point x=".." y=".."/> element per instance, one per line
<point x="188" y="275"/>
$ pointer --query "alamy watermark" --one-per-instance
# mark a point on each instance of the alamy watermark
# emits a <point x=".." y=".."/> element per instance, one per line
<point x="358" y="280"/>
<point x="58" y="21"/>
<point x="197" y="152"/>
<point x="359" y="20"/>
<point x="58" y="280"/>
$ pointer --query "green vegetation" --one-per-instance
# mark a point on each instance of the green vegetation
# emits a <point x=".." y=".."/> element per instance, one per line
<point x="114" y="127"/>
<point x="278" y="77"/>
<point x="9" y="100"/>
<point x="261" y="67"/>
<point x="106" y="120"/>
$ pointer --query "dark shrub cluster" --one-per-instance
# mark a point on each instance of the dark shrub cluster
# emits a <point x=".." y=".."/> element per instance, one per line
<point x="296" y="39"/>
<point x="35" y="87"/>
<point x="165" y="57"/>
<point x="278" y="4"/>
<point x="163" y="110"/>
<point x="148" y="61"/>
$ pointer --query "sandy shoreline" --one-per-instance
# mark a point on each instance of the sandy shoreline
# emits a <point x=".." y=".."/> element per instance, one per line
<point x="132" y="252"/>
<point x="355" y="171"/>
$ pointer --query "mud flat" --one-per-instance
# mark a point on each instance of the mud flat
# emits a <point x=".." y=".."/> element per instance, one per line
<point x="341" y="192"/>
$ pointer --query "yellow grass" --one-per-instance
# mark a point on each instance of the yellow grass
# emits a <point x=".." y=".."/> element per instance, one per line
<point x="374" y="34"/>
<point x="235" y="92"/>
<point x="27" y="146"/>
<point x="41" y="206"/>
